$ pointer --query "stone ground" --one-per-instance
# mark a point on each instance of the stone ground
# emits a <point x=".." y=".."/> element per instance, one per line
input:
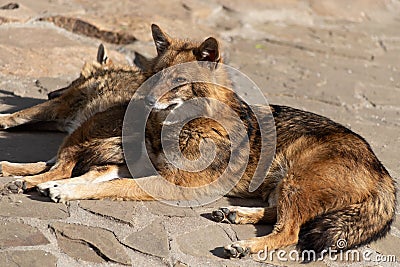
<point x="336" y="58"/>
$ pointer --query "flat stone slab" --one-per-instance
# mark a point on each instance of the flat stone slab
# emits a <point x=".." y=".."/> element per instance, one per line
<point x="42" y="146"/>
<point x="396" y="222"/>
<point x="151" y="240"/>
<point x="78" y="249"/>
<point x="388" y="246"/>
<point x="121" y="211"/>
<point x="246" y="231"/>
<point x="206" y="242"/>
<point x="159" y="208"/>
<point x="33" y="206"/>
<point x="133" y="213"/>
<point x="106" y="244"/>
<point x="31" y="258"/>
<point x="14" y="234"/>
<point x="62" y="53"/>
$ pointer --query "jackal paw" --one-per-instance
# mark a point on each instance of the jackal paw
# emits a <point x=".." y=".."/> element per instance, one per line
<point x="4" y="122"/>
<point x="224" y="215"/>
<point x="236" y="250"/>
<point x="61" y="194"/>
<point x="13" y="187"/>
<point x="43" y="188"/>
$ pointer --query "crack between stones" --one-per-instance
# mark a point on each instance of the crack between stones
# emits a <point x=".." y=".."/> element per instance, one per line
<point x="12" y="260"/>
<point x="93" y="247"/>
<point x="107" y="217"/>
<point x="229" y="235"/>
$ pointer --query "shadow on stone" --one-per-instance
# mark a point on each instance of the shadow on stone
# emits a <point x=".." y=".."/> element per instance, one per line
<point x="25" y="147"/>
<point x="219" y="252"/>
<point x="263" y="229"/>
<point x="34" y="195"/>
<point x="16" y="102"/>
<point x="207" y="216"/>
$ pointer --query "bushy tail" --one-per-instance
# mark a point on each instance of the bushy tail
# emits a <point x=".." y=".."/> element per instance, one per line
<point x="353" y="226"/>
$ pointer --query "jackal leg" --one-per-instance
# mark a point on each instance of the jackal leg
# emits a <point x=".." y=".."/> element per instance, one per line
<point x="61" y="170"/>
<point x="42" y="112"/>
<point x="285" y="233"/>
<point x="23" y="169"/>
<point x="96" y="175"/>
<point x="144" y="188"/>
<point x="118" y="189"/>
<point x="292" y="211"/>
<point x="244" y="215"/>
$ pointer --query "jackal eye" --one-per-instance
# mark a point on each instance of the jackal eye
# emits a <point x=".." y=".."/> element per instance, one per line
<point x="179" y="80"/>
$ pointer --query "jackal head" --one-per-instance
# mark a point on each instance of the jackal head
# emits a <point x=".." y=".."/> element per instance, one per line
<point x="102" y="62"/>
<point x="171" y="51"/>
<point x="177" y="81"/>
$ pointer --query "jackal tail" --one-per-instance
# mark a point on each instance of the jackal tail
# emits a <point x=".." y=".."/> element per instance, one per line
<point x="350" y="227"/>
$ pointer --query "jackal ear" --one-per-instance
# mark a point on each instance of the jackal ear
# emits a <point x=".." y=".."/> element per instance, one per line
<point x="208" y="50"/>
<point x="102" y="56"/>
<point x="142" y="62"/>
<point x="161" y="39"/>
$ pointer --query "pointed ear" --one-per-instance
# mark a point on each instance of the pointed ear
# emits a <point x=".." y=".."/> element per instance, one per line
<point x="142" y="62"/>
<point x="208" y="50"/>
<point x="102" y="56"/>
<point x="161" y="39"/>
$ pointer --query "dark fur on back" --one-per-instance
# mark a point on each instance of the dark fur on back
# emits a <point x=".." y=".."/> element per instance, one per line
<point x="325" y="181"/>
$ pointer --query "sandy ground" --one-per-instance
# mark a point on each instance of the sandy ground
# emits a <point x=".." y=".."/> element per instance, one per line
<point x="336" y="58"/>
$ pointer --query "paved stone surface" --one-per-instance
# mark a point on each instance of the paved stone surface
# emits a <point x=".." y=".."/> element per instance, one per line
<point x="16" y="234"/>
<point x="387" y="246"/>
<point x="32" y="258"/>
<point x="156" y="240"/>
<point x="336" y="58"/>
<point x="102" y="240"/>
<point x="204" y="242"/>
<point x="32" y="206"/>
<point x="159" y="208"/>
<point x="249" y="231"/>
<point x="127" y="212"/>
<point x="78" y="250"/>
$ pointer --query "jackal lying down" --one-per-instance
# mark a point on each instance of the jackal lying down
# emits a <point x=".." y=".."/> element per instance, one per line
<point x="324" y="184"/>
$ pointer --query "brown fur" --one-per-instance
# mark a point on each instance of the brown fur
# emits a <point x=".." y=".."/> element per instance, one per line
<point x="100" y="86"/>
<point x="97" y="139"/>
<point x="325" y="182"/>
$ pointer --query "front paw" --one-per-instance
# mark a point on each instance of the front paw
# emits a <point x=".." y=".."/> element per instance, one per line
<point x="4" y="121"/>
<point x="13" y="187"/>
<point x="44" y="188"/>
<point x="62" y="194"/>
<point x="224" y="215"/>
<point x="236" y="250"/>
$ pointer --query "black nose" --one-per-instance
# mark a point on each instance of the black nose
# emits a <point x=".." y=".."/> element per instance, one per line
<point x="150" y="100"/>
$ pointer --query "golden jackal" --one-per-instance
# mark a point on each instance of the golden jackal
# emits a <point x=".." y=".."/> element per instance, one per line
<point x="94" y="144"/>
<point x="100" y="85"/>
<point x="325" y="183"/>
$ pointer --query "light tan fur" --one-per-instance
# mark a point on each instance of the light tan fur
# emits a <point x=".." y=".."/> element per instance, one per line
<point x="324" y="184"/>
